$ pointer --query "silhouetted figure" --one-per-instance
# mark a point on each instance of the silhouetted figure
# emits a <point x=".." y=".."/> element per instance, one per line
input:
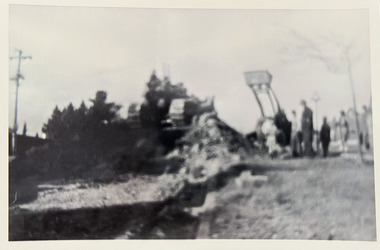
<point x="307" y="129"/>
<point x="295" y="142"/>
<point x="364" y="140"/>
<point x="324" y="137"/>
<point x="284" y="126"/>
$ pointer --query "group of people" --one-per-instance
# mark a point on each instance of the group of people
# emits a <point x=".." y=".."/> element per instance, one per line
<point x="342" y="129"/>
<point x="302" y="133"/>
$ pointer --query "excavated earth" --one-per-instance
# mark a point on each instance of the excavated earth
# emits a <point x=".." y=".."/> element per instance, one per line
<point x="211" y="184"/>
<point x="159" y="192"/>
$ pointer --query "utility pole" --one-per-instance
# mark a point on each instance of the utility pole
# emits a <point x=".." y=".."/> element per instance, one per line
<point x="17" y="80"/>
<point x="350" y="78"/>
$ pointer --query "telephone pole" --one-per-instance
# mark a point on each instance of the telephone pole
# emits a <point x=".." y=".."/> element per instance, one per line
<point x="19" y="76"/>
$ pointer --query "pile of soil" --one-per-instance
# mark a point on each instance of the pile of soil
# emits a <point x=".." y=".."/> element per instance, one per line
<point x="209" y="147"/>
<point x="206" y="150"/>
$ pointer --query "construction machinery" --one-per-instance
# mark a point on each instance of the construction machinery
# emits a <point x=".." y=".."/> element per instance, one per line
<point x="167" y="106"/>
<point x="271" y="113"/>
<point x="183" y="111"/>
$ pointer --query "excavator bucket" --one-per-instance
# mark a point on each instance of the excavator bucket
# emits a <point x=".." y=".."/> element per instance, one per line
<point x="260" y="83"/>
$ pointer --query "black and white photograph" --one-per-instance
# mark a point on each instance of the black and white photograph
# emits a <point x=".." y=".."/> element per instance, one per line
<point x="142" y="123"/>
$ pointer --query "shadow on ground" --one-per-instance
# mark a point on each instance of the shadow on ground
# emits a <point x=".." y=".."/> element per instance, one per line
<point x="136" y="221"/>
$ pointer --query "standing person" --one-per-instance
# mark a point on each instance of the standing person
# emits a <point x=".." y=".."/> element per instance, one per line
<point x="294" y="141"/>
<point x="307" y="129"/>
<point x="299" y="135"/>
<point x="370" y="129"/>
<point x="344" y="129"/>
<point x="324" y="136"/>
<point x="364" y="128"/>
<point x="284" y="126"/>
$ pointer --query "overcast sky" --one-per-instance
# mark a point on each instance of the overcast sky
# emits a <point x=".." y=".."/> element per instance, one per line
<point x="77" y="51"/>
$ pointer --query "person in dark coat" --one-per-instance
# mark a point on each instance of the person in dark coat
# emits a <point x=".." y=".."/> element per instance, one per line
<point x="307" y="129"/>
<point x="324" y="137"/>
<point x="284" y="126"/>
<point x="344" y="130"/>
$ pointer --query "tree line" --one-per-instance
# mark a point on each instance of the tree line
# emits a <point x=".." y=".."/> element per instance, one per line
<point x="71" y="123"/>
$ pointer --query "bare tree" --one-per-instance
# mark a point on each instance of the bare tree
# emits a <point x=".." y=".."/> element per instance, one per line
<point x="334" y="52"/>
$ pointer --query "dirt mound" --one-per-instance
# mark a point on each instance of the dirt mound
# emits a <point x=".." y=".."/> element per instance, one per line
<point x="209" y="147"/>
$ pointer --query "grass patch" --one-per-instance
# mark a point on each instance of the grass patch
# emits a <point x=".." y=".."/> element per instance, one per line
<point x="333" y="199"/>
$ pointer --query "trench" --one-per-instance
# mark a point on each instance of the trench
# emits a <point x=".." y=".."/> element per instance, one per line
<point x="167" y="219"/>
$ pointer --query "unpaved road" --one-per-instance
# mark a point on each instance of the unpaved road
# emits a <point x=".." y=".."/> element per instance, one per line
<point x="333" y="199"/>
